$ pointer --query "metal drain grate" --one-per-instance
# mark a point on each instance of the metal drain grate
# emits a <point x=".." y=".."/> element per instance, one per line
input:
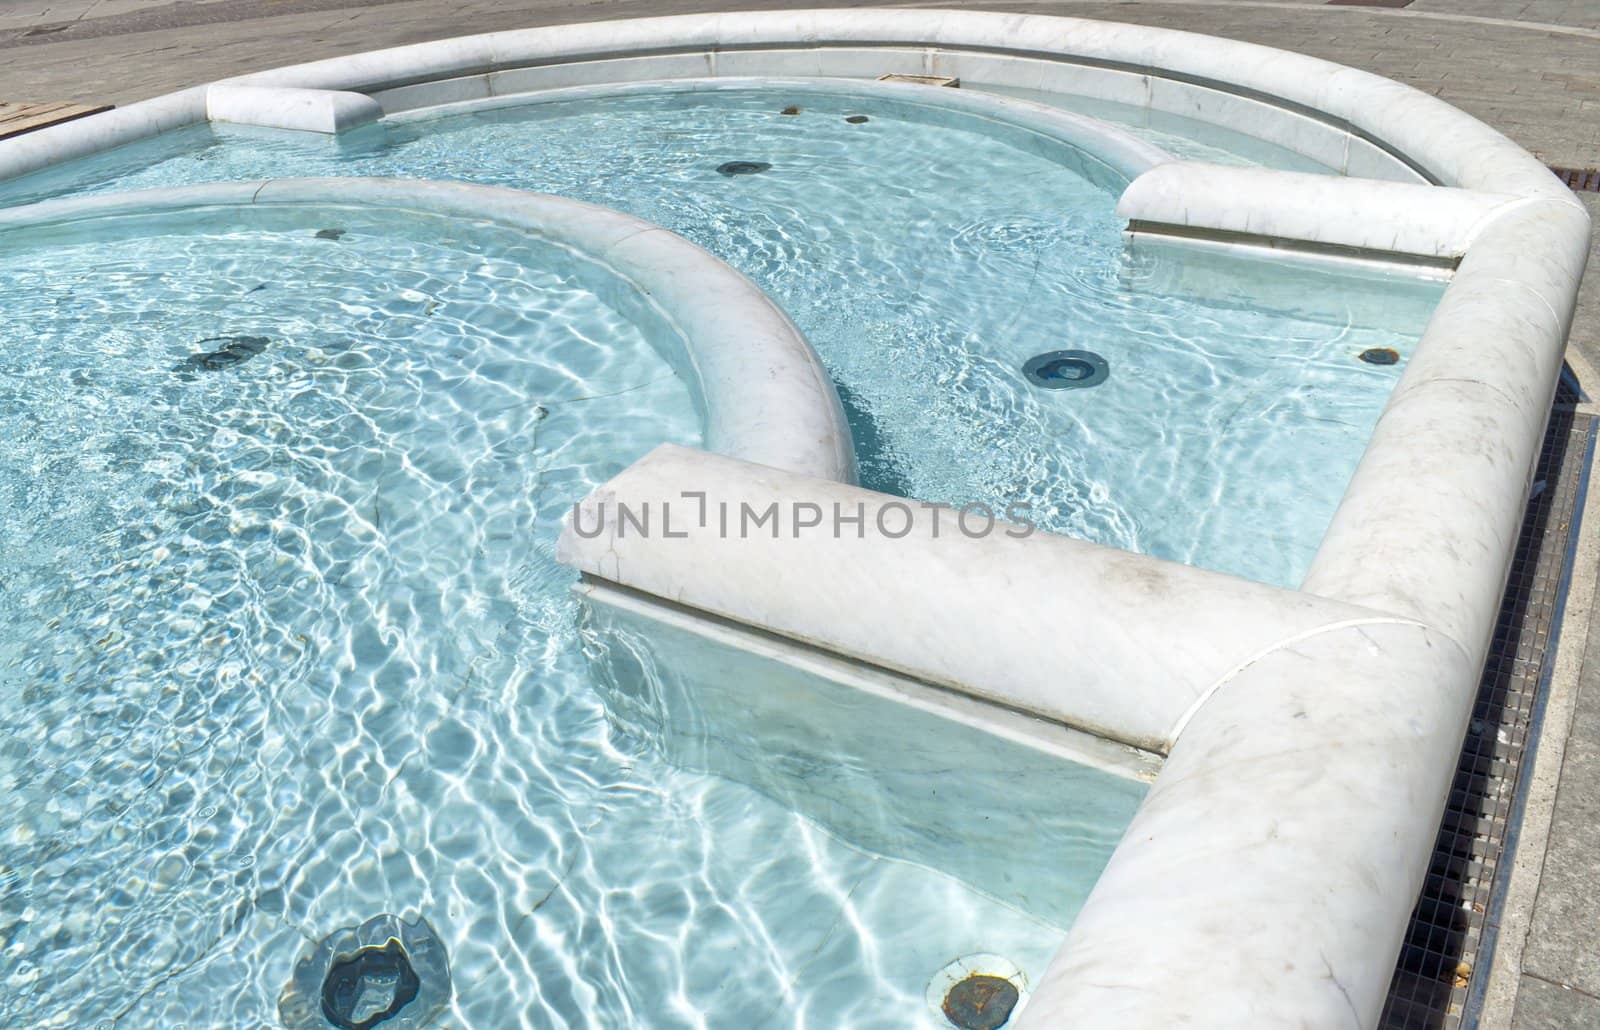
<point x="1584" y="179"/>
<point x="1451" y="938"/>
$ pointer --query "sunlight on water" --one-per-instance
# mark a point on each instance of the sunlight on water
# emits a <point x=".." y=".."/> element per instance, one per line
<point x="283" y="646"/>
<point x="927" y="256"/>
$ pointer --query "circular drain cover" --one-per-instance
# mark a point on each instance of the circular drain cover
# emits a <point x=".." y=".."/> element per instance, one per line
<point x="980" y="1002"/>
<point x="364" y="989"/>
<point x="384" y="973"/>
<point x="1380" y="356"/>
<point x="732" y="168"/>
<point x="1066" y="369"/>
<point x="977" y="992"/>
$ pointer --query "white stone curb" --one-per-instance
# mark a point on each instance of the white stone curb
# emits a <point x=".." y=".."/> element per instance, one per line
<point x="1429" y="222"/>
<point x="305" y="110"/>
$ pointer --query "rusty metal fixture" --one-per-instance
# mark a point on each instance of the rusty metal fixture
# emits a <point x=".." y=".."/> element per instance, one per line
<point x="981" y="1002"/>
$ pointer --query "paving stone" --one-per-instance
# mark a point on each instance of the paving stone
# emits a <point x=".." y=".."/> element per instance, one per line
<point x="1564" y="940"/>
<point x="1546" y="1006"/>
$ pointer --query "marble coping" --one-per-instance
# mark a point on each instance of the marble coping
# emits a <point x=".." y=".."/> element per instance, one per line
<point x="959" y="599"/>
<point x="1438" y="141"/>
<point x="1432" y="223"/>
<point x="763" y="392"/>
<point x="281" y="107"/>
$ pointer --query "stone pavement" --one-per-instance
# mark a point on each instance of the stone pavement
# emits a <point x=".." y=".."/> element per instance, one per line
<point x="1561" y="956"/>
<point x="1530" y="68"/>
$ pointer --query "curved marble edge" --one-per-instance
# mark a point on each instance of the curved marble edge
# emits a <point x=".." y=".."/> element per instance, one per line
<point x="766" y="396"/>
<point x="1428" y="525"/>
<point x="1199" y="198"/>
<point x="82" y="137"/>
<point x="936" y="585"/>
<point x="1101" y="142"/>
<point x="1269" y="875"/>
<point x="283" y="107"/>
<point x="1452" y="146"/>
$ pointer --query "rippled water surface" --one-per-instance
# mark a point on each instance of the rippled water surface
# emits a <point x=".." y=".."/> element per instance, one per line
<point x="927" y="256"/>
<point x="283" y="646"/>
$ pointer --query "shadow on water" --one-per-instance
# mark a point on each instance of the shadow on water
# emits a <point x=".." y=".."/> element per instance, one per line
<point x="876" y="462"/>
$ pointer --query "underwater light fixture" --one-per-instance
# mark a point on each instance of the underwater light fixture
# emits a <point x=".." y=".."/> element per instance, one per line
<point x="1066" y="369"/>
<point x="384" y="973"/>
<point x="732" y="168"/>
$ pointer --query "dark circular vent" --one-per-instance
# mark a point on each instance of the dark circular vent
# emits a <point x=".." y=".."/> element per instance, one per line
<point x="364" y="989"/>
<point x="386" y="974"/>
<point x="1066" y="369"/>
<point x="980" y="1002"/>
<point x="858" y="119"/>
<point x="732" y="168"/>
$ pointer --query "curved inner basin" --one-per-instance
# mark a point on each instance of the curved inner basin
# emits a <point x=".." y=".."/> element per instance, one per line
<point x="928" y="255"/>
<point x="284" y="644"/>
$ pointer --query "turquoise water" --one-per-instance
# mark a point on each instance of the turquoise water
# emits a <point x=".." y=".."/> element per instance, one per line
<point x="1184" y="138"/>
<point x="927" y="256"/>
<point x="283" y="646"/>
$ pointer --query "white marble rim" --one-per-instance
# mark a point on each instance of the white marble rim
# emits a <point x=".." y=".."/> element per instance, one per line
<point x="1448" y="145"/>
<point x="762" y="391"/>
